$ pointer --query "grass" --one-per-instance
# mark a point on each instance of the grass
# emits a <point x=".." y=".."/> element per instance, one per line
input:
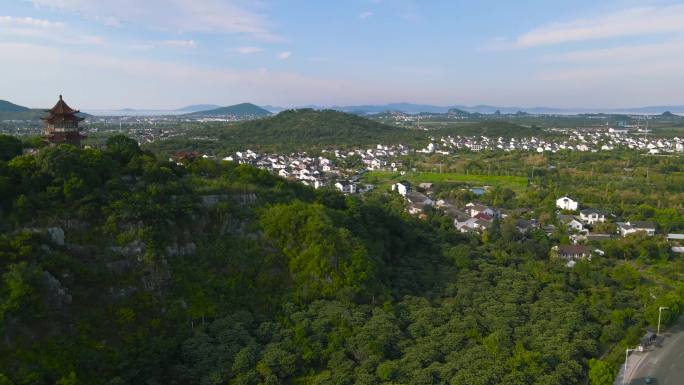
<point x="388" y="177"/>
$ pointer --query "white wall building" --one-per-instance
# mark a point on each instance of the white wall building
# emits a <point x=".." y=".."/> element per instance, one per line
<point x="567" y="203"/>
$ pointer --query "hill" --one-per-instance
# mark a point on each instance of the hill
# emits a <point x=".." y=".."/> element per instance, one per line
<point x="6" y="106"/>
<point x="11" y="111"/>
<point x="239" y="110"/>
<point x="292" y="130"/>
<point x="198" y="108"/>
<point x="308" y="128"/>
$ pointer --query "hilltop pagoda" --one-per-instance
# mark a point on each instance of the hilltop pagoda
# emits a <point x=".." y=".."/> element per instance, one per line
<point x="61" y="125"/>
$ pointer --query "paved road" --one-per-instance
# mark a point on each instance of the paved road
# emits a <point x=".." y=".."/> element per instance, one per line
<point x="664" y="361"/>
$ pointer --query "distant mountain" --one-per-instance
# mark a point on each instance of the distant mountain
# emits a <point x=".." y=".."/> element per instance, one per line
<point x="6" y="106"/>
<point x="653" y="109"/>
<point x="408" y="108"/>
<point x="411" y="108"/>
<point x="241" y="110"/>
<point x="273" y="109"/>
<point x="198" y="108"/>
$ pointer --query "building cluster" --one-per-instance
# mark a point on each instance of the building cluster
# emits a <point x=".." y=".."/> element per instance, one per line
<point x="476" y="218"/>
<point x="583" y="140"/>
<point x="581" y="225"/>
<point x="328" y="169"/>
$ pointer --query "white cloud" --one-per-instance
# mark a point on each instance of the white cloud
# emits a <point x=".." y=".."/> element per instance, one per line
<point x="180" y="43"/>
<point x="29" y="22"/>
<point x="212" y="16"/>
<point x="92" y="80"/>
<point x="248" y="50"/>
<point x="285" y="55"/>
<point x="44" y="30"/>
<point x="621" y="54"/>
<point x="640" y="21"/>
<point x="365" y="15"/>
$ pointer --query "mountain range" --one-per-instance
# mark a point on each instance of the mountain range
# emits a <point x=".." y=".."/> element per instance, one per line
<point x="11" y="111"/>
<point x="411" y="108"/>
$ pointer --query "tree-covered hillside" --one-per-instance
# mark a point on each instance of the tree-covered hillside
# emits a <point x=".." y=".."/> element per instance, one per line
<point x="293" y="129"/>
<point x="6" y="106"/>
<point x="118" y="267"/>
<point x="11" y="111"/>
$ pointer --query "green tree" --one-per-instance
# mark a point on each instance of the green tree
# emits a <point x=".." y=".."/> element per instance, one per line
<point x="600" y="372"/>
<point x="123" y="148"/>
<point x="10" y="147"/>
<point x="323" y="259"/>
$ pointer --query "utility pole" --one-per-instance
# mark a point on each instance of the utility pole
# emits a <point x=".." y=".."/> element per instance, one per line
<point x="660" y="312"/>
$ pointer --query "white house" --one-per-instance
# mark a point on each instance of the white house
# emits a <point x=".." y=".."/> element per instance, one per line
<point x="592" y="216"/>
<point x="627" y="228"/>
<point x="471" y="225"/>
<point x="346" y="187"/>
<point x="475" y="209"/>
<point x="416" y="197"/>
<point x="402" y="188"/>
<point x="571" y="222"/>
<point x="567" y="203"/>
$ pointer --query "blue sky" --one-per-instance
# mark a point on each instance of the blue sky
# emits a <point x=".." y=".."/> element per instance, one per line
<point x="169" y="53"/>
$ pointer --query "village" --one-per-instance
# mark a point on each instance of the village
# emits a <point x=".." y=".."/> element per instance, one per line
<point x="594" y="140"/>
<point x="582" y="225"/>
<point x="333" y="169"/>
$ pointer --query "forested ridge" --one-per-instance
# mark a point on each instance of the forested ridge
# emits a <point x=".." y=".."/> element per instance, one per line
<point x="289" y="131"/>
<point x="119" y="267"/>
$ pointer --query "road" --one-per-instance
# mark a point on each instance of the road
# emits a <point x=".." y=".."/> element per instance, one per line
<point x="664" y="361"/>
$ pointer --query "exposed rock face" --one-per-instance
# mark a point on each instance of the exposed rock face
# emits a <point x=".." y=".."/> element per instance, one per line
<point x="245" y="199"/>
<point x="119" y="267"/>
<point x="180" y="250"/>
<point x="156" y="276"/>
<point x="133" y="249"/>
<point x="122" y="292"/>
<point x="209" y="201"/>
<point x="56" y="235"/>
<point x="57" y="296"/>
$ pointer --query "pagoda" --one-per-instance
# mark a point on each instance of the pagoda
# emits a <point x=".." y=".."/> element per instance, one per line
<point x="61" y="125"/>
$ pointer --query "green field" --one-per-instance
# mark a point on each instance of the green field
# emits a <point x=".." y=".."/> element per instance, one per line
<point x="388" y="177"/>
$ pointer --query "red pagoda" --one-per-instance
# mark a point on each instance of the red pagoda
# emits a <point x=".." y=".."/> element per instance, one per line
<point x="61" y="125"/>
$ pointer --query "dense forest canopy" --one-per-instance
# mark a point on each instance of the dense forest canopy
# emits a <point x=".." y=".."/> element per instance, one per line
<point x="118" y="267"/>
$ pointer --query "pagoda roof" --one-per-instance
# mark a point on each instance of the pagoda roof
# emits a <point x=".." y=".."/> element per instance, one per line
<point x="61" y="109"/>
